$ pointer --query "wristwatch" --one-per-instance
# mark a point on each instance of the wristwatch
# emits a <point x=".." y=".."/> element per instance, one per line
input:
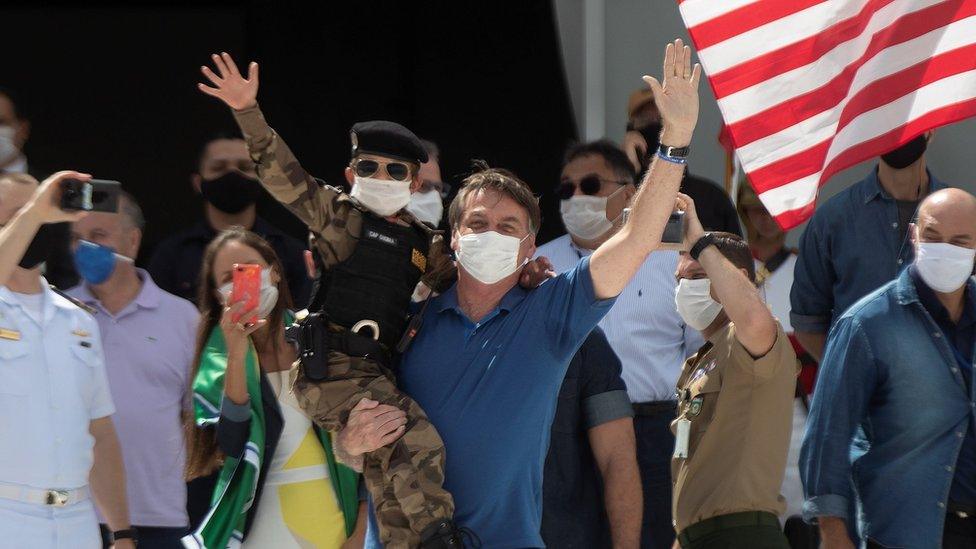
<point x="673" y="152"/>
<point x="129" y="533"/>
<point x="705" y="241"/>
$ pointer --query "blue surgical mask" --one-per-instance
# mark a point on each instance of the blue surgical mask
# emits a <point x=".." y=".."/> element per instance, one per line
<point x="95" y="263"/>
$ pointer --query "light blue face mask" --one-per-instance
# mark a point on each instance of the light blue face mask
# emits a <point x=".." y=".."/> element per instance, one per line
<point x="96" y="263"/>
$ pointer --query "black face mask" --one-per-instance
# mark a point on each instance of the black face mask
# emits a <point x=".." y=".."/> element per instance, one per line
<point x="652" y="135"/>
<point x="40" y="248"/>
<point x="231" y="192"/>
<point x="907" y="154"/>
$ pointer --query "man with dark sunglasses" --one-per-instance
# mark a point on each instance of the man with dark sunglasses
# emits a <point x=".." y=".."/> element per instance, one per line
<point x="370" y="253"/>
<point x="643" y="329"/>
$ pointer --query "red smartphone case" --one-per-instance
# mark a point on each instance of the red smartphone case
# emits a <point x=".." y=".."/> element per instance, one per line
<point x="247" y="287"/>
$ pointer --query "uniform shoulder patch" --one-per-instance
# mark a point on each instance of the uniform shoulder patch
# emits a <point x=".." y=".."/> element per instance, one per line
<point x="419" y="260"/>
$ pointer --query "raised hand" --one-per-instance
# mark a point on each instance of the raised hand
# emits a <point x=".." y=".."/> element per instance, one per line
<point x="694" y="229"/>
<point x="676" y="95"/>
<point x="232" y="88"/>
<point x="236" y="331"/>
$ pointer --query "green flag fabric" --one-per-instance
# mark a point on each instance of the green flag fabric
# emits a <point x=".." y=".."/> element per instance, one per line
<point x="223" y="526"/>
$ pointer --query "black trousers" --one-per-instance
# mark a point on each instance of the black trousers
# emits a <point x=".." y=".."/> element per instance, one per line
<point x="655" y="444"/>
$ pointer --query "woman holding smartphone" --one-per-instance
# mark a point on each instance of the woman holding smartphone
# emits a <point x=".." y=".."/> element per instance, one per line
<point x="278" y="484"/>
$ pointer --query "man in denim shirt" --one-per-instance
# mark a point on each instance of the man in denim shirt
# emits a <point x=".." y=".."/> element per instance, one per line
<point x="858" y="241"/>
<point x="899" y="365"/>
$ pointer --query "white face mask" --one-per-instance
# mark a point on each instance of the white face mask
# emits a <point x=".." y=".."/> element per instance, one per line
<point x="427" y="207"/>
<point x="586" y="216"/>
<point x="695" y="304"/>
<point x="384" y="197"/>
<point x="489" y="256"/>
<point x="267" y="300"/>
<point x="8" y="149"/>
<point x="944" y="267"/>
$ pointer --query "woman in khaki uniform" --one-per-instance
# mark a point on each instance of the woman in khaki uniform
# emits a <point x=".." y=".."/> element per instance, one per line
<point x="735" y="400"/>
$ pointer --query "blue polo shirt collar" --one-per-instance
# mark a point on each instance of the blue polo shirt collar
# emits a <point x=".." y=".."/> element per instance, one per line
<point x="448" y="301"/>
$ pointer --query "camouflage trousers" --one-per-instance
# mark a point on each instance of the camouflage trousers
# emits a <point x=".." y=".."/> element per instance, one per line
<point x="405" y="478"/>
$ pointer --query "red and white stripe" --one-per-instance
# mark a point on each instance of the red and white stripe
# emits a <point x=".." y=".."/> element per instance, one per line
<point x="810" y="87"/>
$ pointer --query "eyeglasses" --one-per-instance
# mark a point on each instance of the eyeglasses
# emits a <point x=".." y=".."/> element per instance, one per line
<point x="366" y="167"/>
<point x="589" y="185"/>
<point x="429" y="185"/>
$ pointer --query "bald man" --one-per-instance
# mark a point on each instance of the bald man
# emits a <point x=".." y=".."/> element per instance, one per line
<point x="898" y="371"/>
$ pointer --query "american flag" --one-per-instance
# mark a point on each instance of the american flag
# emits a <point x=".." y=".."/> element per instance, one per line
<point x="810" y="87"/>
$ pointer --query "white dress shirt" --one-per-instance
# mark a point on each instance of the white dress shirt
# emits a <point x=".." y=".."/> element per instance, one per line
<point x="643" y="326"/>
<point x="17" y="166"/>
<point x="776" y="291"/>
<point x="52" y="385"/>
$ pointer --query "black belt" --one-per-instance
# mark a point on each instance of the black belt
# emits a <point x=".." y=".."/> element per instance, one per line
<point x="352" y="344"/>
<point x="724" y="522"/>
<point x="655" y="408"/>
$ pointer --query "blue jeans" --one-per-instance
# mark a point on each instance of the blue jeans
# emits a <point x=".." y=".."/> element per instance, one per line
<point x="655" y="444"/>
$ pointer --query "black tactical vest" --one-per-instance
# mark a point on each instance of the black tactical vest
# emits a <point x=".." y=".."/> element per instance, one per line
<point x="377" y="280"/>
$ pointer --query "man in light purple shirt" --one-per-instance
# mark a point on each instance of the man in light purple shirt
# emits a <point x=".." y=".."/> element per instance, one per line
<point x="148" y="336"/>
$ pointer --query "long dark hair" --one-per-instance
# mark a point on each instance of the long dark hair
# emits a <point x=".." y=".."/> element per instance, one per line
<point x="203" y="456"/>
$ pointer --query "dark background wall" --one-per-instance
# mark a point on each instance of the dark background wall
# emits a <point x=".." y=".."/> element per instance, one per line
<point x="111" y="89"/>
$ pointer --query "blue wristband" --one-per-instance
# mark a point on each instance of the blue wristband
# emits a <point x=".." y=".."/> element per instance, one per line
<point x="671" y="159"/>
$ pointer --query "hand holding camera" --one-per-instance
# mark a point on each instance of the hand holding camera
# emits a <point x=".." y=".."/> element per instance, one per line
<point x="94" y="195"/>
<point x="46" y="203"/>
<point x="693" y="227"/>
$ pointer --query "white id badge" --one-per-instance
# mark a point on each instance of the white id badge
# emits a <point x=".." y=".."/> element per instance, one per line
<point x="681" y="438"/>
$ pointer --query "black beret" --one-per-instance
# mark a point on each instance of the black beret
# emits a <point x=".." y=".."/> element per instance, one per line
<point x="386" y="138"/>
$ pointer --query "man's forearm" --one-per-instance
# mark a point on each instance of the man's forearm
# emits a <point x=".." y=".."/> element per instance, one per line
<point x="15" y="238"/>
<point x="107" y="477"/>
<point x="813" y="343"/>
<point x="655" y="201"/>
<point x="614" y="448"/>
<point x="755" y="326"/>
<point x="358" y="536"/>
<point x="281" y="173"/>
<point x="624" y="502"/>
<point x="342" y="456"/>
<point x="833" y="533"/>
<point x="615" y="262"/>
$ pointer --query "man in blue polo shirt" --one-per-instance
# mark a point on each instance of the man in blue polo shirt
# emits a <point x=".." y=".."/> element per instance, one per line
<point x="488" y="363"/>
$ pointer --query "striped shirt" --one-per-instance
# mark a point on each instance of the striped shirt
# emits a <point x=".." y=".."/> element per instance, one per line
<point x="643" y="326"/>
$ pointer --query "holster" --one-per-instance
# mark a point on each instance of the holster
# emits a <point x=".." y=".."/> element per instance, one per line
<point x="315" y="340"/>
<point x="312" y="336"/>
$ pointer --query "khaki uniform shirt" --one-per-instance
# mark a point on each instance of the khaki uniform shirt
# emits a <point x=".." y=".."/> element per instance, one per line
<point x="333" y="221"/>
<point x="741" y="413"/>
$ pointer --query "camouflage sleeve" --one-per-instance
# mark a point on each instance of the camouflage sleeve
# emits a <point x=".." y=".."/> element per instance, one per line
<point x="282" y="175"/>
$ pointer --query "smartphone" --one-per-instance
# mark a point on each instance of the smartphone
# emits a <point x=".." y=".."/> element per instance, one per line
<point x="95" y="195"/>
<point x="674" y="232"/>
<point x="247" y="287"/>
